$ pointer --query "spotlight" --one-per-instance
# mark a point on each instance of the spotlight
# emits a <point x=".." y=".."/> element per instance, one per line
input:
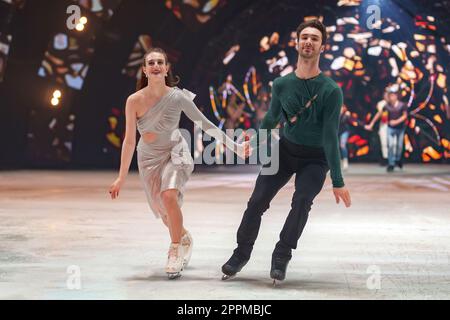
<point x="55" y="102"/>
<point x="57" y="94"/>
<point x="83" y="20"/>
<point x="80" y="27"/>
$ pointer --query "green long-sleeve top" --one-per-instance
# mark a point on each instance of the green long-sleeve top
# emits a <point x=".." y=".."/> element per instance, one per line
<point x="318" y="122"/>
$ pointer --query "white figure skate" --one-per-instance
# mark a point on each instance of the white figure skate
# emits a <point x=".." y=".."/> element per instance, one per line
<point x="174" y="261"/>
<point x="187" y="242"/>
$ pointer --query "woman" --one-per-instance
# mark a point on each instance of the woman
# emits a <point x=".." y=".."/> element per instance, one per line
<point x="164" y="159"/>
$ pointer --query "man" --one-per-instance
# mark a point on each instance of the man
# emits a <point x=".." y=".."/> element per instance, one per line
<point x="397" y="115"/>
<point x="310" y="104"/>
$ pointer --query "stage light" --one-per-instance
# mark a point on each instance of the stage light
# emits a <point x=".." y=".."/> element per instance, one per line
<point x="430" y="63"/>
<point x="360" y="36"/>
<point x="441" y="79"/>
<point x="338" y="63"/>
<point x="55" y="102"/>
<point x="83" y="20"/>
<point x="414" y="54"/>
<point x="385" y="43"/>
<point x="209" y="6"/>
<point x="431" y="152"/>
<point x="431" y="48"/>
<point x="394" y="67"/>
<point x="445" y="143"/>
<point x="438" y="119"/>
<point x="408" y="145"/>
<point x="374" y="51"/>
<point x="362" y="151"/>
<point x="349" y="52"/>
<point x="389" y="29"/>
<point x="347" y="20"/>
<point x="399" y="51"/>
<point x="349" y="64"/>
<point x="57" y="94"/>
<point x="231" y="53"/>
<point x="338" y="37"/>
<point x="349" y="3"/>
<point x="420" y="47"/>
<point x="80" y="27"/>
<point x="419" y="37"/>
<point x="377" y="24"/>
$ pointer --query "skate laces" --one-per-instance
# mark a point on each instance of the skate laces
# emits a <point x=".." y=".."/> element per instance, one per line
<point x="280" y="261"/>
<point x="173" y="252"/>
<point x="174" y="261"/>
<point x="186" y="240"/>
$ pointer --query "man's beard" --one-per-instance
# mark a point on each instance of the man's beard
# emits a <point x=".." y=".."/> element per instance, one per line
<point x="312" y="55"/>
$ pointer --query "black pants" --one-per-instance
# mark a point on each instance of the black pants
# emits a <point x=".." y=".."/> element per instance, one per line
<point x="310" y="168"/>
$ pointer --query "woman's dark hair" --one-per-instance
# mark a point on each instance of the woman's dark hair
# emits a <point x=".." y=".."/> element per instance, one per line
<point x="313" y="24"/>
<point x="171" y="80"/>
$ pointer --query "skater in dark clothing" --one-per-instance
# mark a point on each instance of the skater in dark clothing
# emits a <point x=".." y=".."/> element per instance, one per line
<point x="310" y="104"/>
<point x="397" y="119"/>
<point x="344" y="134"/>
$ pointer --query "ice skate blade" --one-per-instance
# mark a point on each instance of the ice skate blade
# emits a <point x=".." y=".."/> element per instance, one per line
<point x="227" y="277"/>
<point x="276" y="282"/>
<point x="172" y="276"/>
<point x="186" y="262"/>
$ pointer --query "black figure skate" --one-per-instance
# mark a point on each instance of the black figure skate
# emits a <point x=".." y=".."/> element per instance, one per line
<point x="278" y="268"/>
<point x="233" y="266"/>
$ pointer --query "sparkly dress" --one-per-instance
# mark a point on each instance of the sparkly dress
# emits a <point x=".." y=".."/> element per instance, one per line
<point x="166" y="163"/>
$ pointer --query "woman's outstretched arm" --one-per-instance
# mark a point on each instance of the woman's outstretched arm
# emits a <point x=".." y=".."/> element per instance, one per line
<point x="196" y="116"/>
<point x="128" y="146"/>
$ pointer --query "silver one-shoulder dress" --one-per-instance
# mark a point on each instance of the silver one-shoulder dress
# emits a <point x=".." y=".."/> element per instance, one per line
<point x="166" y="163"/>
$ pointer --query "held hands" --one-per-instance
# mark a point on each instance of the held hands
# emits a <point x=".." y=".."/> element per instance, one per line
<point x="368" y="127"/>
<point x="244" y="150"/>
<point x="115" y="188"/>
<point x="342" y="193"/>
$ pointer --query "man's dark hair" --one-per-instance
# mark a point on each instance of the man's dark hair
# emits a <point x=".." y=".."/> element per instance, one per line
<point x="313" y="24"/>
